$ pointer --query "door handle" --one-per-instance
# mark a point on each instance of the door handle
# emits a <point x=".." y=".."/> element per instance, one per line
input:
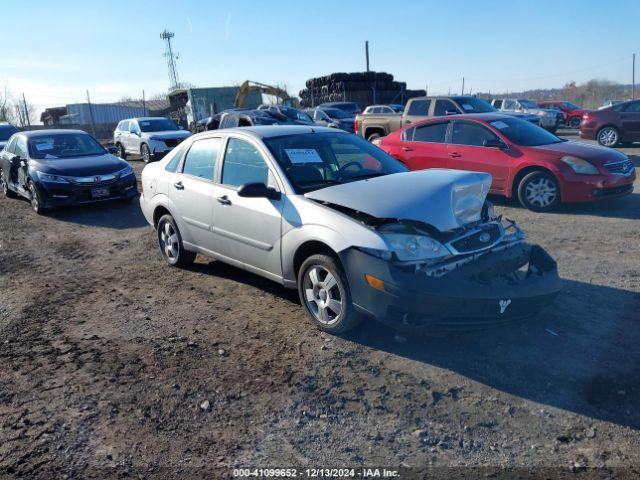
<point x="178" y="186"/>
<point x="455" y="155"/>
<point x="224" y="200"/>
<point x="407" y="149"/>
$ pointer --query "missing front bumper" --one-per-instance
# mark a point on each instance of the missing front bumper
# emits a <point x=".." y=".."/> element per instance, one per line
<point x="500" y="287"/>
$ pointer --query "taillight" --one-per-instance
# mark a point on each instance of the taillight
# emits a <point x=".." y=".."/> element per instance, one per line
<point x="355" y="126"/>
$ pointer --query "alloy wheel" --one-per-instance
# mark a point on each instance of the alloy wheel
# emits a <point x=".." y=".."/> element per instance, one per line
<point x="322" y="294"/>
<point x="608" y="137"/>
<point x="169" y="241"/>
<point x="146" y="154"/>
<point x="5" y="187"/>
<point x="35" y="203"/>
<point x="541" y="192"/>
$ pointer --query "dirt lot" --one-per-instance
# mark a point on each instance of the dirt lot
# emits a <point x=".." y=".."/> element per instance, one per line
<point x="115" y="364"/>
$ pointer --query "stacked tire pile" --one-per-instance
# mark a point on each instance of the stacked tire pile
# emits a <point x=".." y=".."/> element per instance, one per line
<point x="363" y="88"/>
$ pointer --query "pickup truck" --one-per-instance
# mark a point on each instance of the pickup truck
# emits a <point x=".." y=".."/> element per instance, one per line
<point x="549" y="119"/>
<point x="372" y="126"/>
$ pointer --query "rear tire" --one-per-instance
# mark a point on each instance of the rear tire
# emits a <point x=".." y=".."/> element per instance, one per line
<point x="539" y="191"/>
<point x="373" y="137"/>
<point x="608" y="137"/>
<point x="170" y="243"/>
<point x="574" y="122"/>
<point x="5" y="187"/>
<point x="325" y="295"/>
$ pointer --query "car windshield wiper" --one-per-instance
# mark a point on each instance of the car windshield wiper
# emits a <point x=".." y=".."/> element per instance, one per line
<point x="368" y="175"/>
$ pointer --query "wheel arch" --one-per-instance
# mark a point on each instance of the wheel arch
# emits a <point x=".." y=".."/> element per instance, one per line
<point x="370" y="130"/>
<point x="308" y="248"/>
<point x="527" y="170"/>
<point x="158" y="212"/>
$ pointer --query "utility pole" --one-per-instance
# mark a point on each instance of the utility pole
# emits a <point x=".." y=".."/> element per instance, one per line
<point x="144" y="104"/>
<point x="171" y="59"/>
<point x="26" y="111"/>
<point x="633" y="78"/>
<point x="366" y="50"/>
<point x="462" y="92"/>
<point x="93" y="126"/>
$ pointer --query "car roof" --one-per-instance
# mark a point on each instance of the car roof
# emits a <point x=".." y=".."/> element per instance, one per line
<point x="51" y="131"/>
<point x="483" y="117"/>
<point x="145" y="118"/>
<point x="268" y="131"/>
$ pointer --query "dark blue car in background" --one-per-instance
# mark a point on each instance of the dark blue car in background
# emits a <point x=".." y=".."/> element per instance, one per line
<point x="56" y="168"/>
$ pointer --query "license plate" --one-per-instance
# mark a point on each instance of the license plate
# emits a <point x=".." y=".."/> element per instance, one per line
<point x="99" y="192"/>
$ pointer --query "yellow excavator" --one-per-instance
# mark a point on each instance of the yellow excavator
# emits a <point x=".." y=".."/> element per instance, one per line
<point x="251" y="86"/>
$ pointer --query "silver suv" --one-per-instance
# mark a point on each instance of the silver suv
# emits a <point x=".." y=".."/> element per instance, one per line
<point x="350" y="227"/>
<point x="149" y="137"/>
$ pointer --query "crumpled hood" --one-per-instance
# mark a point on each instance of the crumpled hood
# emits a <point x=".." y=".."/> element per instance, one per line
<point x="170" y="134"/>
<point x="445" y="199"/>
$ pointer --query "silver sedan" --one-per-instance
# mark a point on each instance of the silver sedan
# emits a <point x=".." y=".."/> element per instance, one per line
<point x="349" y="226"/>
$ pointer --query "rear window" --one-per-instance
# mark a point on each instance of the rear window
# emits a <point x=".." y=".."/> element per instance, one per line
<point x="432" y="132"/>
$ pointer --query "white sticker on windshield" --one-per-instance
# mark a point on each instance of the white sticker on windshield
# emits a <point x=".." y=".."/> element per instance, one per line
<point x="500" y="125"/>
<point x="303" y="155"/>
<point x="144" y="124"/>
<point x="49" y="157"/>
<point x="44" y="146"/>
<point x="467" y="107"/>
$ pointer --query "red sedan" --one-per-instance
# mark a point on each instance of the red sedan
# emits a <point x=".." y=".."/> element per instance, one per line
<point x="571" y="112"/>
<point x="525" y="160"/>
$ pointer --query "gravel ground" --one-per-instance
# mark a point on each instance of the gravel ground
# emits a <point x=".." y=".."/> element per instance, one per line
<point x="115" y="364"/>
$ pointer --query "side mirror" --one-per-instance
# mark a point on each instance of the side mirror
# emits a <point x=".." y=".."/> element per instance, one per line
<point x="112" y="150"/>
<point x="495" y="143"/>
<point x="258" y="190"/>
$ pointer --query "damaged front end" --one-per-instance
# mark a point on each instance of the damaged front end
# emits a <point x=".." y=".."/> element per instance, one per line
<point x="480" y="275"/>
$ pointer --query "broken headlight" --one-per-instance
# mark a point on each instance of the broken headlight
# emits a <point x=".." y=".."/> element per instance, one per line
<point x="414" y="248"/>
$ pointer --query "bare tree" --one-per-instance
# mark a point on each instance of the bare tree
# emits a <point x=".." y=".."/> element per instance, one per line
<point x="6" y="106"/>
<point x="24" y="112"/>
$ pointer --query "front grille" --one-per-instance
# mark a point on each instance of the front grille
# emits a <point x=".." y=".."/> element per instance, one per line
<point x="97" y="183"/>
<point x="172" y="142"/>
<point x="623" y="167"/>
<point x="480" y="239"/>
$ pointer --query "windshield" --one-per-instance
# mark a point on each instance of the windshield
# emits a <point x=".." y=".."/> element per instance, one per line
<point x="316" y="160"/>
<point x="335" y="113"/>
<point x="524" y="133"/>
<point x="6" y="131"/>
<point x="157" y="125"/>
<point x="64" y="145"/>
<point x="572" y="106"/>
<point x="474" y="105"/>
<point x="295" y="114"/>
<point x="528" y="104"/>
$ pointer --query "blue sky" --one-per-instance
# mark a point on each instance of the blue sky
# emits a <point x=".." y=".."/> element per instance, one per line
<point x="53" y="50"/>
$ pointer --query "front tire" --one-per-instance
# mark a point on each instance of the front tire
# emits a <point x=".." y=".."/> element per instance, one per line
<point x="170" y="243"/>
<point x="145" y="153"/>
<point x="608" y="137"/>
<point x="122" y="153"/>
<point x="324" y="293"/>
<point x="539" y="191"/>
<point x="36" y="198"/>
<point x="5" y="187"/>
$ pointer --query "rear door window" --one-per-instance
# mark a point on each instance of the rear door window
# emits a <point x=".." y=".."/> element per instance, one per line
<point x="432" y="132"/>
<point x="633" y="107"/>
<point x="201" y="158"/>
